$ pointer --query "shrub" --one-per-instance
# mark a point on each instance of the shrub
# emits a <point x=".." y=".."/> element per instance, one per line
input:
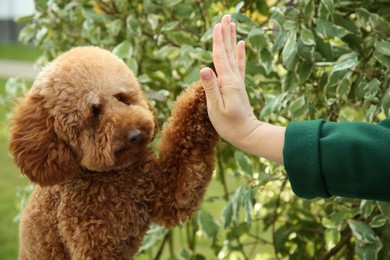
<point x="306" y="59"/>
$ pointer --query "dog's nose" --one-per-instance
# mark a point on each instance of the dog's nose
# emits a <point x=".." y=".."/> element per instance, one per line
<point x="134" y="136"/>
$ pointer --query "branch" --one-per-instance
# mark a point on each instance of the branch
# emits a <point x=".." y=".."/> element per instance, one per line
<point x="161" y="248"/>
<point x="221" y="175"/>
<point x="344" y="241"/>
<point x="259" y="239"/>
<point x="275" y="217"/>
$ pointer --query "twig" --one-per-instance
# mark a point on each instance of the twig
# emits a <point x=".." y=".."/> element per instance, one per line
<point x="221" y="174"/>
<point x="275" y="217"/>
<point x="344" y="241"/>
<point x="259" y="239"/>
<point x="161" y="249"/>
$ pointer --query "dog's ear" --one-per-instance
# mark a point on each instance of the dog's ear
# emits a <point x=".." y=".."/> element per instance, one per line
<point x="36" y="149"/>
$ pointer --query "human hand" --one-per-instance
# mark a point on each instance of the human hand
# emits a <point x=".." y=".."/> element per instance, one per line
<point x="227" y="101"/>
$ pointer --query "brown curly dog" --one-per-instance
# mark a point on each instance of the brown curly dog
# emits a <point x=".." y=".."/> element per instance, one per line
<point x="82" y="134"/>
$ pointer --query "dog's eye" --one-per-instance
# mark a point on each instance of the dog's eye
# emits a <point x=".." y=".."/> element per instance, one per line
<point x="122" y="97"/>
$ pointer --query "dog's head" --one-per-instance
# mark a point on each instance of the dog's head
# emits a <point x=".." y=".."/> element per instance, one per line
<point x="85" y="110"/>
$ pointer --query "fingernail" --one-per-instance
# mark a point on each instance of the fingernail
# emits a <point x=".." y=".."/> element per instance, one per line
<point x="229" y="18"/>
<point x="217" y="27"/>
<point x="243" y="45"/>
<point x="205" y="73"/>
<point x="233" y="25"/>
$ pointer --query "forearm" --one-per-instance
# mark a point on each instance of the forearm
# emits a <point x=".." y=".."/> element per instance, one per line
<point x="264" y="140"/>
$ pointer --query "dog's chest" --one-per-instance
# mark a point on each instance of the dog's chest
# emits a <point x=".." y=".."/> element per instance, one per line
<point x="117" y="209"/>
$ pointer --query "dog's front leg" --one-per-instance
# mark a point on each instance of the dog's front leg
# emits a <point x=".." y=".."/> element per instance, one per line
<point x="186" y="164"/>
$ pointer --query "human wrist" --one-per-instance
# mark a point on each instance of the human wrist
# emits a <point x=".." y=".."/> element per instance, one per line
<point x="263" y="140"/>
<point x="245" y="134"/>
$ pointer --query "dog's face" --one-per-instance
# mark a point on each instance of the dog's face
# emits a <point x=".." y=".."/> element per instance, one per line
<point x="99" y="109"/>
<point x="94" y="105"/>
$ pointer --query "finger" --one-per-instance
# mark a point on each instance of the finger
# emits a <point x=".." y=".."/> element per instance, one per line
<point x="210" y="85"/>
<point x="227" y="36"/>
<point x="227" y="32"/>
<point x="220" y="59"/>
<point x="241" y="62"/>
<point x="234" y="37"/>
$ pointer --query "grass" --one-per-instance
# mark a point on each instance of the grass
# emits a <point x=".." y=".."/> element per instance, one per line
<point x="17" y="51"/>
<point x="10" y="178"/>
<point x="10" y="182"/>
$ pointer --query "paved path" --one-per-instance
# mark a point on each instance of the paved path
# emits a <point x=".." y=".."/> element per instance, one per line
<point x="12" y="68"/>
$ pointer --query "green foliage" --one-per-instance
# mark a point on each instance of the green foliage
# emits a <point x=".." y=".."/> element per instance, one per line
<point x="306" y="59"/>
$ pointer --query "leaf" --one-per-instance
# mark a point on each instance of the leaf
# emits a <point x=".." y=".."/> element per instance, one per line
<point x="291" y="63"/>
<point x="383" y="48"/>
<point x="114" y="27"/>
<point x="290" y="46"/>
<point x="297" y="104"/>
<point x="372" y="88"/>
<point x="366" y="208"/>
<point x="277" y="16"/>
<point x="153" y="21"/>
<point x="279" y="42"/>
<point x="386" y="102"/>
<point x="344" y="87"/>
<point x="207" y="223"/>
<point x="309" y="10"/>
<point x="24" y="19"/>
<point x="207" y="36"/>
<point x="304" y="71"/>
<point x="257" y="39"/>
<point x="169" y="26"/>
<point x="368" y="244"/>
<point x="385" y="60"/>
<point x="378" y="221"/>
<point x="180" y="38"/>
<point x="361" y="230"/>
<point x="244" y="162"/>
<point x="373" y="20"/>
<point x="344" y="65"/>
<point x="202" y="55"/>
<point x="132" y="26"/>
<point x="122" y="50"/>
<point x="332" y="237"/>
<point x="185" y="254"/>
<point x="305" y="52"/>
<point x="153" y="236"/>
<point x="133" y="65"/>
<point x="172" y="3"/>
<point x="227" y="214"/>
<point x="41" y="5"/>
<point x="238" y="7"/>
<point x="236" y="199"/>
<point x="327" y="29"/>
<point x="248" y="205"/>
<point x="307" y="36"/>
<point x="266" y="60"/>
<point x="329" y="5"/>
<point x="324" y="48"/>
<point x="237" y="231"/>
<point x="385" y="208"/>
<point x="349" y="25"/>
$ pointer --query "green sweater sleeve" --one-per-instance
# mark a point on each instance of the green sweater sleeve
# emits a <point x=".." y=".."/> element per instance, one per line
<point x="349" y="159"/>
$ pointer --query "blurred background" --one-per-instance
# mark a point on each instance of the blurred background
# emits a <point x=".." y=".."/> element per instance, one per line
<point x="306" y="59"/>
<point x="16" y="59"/>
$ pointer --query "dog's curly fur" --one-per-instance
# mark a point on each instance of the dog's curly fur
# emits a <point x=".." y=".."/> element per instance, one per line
<point x="82" y="133"/>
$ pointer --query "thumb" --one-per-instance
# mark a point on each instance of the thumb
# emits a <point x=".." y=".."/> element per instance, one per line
<point x="210" y="84"/>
